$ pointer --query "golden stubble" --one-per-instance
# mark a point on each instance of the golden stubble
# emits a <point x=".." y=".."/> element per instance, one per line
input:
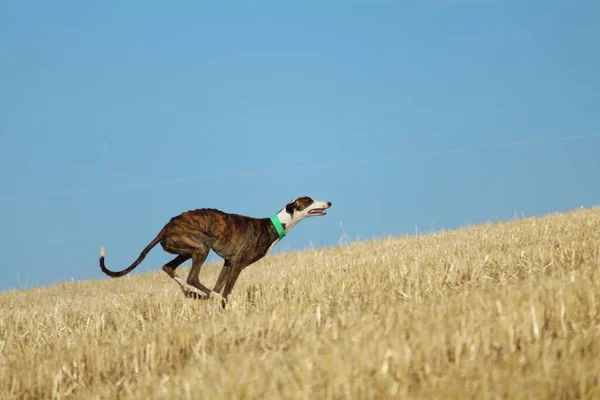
<point x="499" y="310"/>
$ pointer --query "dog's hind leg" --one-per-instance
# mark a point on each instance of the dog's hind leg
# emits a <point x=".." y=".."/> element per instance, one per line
<point x="198" y="258"/>
<point x="170" y="267"/>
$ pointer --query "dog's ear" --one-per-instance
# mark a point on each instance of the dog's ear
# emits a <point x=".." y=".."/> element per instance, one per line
<point x="290" y="209"/>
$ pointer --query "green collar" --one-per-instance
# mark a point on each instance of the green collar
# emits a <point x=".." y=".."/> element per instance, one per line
<point x="280" y="231"/>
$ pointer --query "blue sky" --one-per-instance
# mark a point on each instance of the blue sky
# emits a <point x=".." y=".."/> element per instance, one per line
<point x="113" y="94"/>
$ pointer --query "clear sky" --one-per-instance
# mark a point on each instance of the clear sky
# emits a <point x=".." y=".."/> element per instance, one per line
<point x="107" y="95"/>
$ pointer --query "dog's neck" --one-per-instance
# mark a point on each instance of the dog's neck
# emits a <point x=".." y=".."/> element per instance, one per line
<point x="286" y="220"/>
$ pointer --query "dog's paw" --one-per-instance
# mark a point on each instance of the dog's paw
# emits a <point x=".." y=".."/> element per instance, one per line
<point x="195" y="295"/>
<point x="216" y="296"/>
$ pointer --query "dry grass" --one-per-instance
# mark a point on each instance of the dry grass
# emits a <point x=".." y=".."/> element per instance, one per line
<point x="505" y="310"/>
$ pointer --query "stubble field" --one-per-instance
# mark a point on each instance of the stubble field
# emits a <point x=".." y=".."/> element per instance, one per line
<point x="499" y="310"/>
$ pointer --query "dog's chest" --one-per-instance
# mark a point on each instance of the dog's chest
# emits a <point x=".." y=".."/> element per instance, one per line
<point x="272" y="245"/>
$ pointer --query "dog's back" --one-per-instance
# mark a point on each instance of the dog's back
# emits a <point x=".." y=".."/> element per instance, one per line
<point x="227" y="234"/>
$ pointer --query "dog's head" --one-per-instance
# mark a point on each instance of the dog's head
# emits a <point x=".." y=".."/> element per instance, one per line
<point x="304" y="207"/>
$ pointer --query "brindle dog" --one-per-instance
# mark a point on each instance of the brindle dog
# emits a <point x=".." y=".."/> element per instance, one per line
<point x="238" y="239"/>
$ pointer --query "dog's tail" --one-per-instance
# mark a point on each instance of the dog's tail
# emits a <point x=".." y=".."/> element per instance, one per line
<point x="135" y="263"/>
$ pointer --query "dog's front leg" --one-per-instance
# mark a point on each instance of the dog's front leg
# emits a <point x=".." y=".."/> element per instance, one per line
<point x="222" y="279"/>
<point x="232" y="277"/>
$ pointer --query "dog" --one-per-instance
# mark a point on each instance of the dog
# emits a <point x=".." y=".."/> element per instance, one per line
<point x="238" y="239"/>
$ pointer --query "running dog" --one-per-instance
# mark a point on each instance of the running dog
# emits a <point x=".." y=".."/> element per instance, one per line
<point x="238" y="239"/>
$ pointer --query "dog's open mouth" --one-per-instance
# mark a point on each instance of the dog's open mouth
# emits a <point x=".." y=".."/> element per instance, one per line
<point x="318" y="211"/>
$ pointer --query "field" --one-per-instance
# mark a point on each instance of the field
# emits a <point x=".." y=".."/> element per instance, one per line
<point x="498" y="310"/>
